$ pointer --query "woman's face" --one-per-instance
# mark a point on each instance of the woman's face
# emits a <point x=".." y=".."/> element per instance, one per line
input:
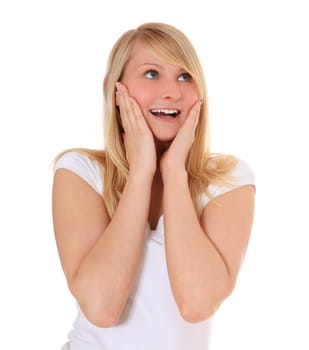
<point x="164" y="92"/>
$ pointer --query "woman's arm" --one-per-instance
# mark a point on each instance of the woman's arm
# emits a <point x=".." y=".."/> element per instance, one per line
<point x="100" y="257"/>
<point x="204" y="257"/>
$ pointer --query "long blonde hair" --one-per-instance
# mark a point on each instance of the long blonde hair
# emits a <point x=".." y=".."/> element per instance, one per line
<point x="175" y="48"/>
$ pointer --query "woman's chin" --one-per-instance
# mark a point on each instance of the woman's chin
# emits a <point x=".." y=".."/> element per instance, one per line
<point x="164" y="138"/>
<point x="164" y="135"/>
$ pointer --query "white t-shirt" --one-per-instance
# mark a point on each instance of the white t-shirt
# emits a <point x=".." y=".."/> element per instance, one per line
<point x="151" y="319"/>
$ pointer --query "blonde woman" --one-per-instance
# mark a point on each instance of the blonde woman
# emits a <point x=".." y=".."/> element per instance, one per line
<point x="152" y="230"/>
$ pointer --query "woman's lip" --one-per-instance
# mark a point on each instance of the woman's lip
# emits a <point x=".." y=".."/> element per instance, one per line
<point x="164" y="118"/>
<point x="165" y="112"/>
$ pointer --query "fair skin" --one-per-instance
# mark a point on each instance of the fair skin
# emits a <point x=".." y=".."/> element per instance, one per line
<point x="100" y="257"/>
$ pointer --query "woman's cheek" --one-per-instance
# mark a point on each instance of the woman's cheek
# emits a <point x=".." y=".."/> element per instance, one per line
<point x="143" y="97"/>
<point x="141" y="91"/>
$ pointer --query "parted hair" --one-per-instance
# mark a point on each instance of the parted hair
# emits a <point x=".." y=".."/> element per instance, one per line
<point x="203" y="168"/>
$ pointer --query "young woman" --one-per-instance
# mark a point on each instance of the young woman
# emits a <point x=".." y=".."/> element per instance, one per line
<point x="152" y="230"/>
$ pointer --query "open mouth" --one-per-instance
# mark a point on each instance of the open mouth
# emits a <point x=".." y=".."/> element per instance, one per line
<point x="165" y="113"/>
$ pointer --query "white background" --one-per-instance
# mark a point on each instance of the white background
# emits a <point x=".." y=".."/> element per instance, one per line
<point x="255" y="55"/>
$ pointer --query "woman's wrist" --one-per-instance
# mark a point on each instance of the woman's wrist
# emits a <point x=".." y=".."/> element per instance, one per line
<point x="175" y="176"/>
<point x="140" y="176"/>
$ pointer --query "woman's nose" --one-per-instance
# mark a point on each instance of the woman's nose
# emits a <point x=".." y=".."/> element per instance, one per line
<point x="170" y="90"/>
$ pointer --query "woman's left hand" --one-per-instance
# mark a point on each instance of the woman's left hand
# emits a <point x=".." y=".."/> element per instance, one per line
<point x="174" y="158"/>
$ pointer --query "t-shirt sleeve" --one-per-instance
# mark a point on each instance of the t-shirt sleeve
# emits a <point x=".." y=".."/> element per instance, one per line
<point x="242" y="175"/>
<point x="82" y="165"/>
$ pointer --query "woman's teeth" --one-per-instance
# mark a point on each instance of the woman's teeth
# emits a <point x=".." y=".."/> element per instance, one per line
<point x="167" y="113"/>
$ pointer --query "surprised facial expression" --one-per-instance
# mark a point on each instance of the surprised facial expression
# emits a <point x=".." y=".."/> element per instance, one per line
<point x="164" y="92"/>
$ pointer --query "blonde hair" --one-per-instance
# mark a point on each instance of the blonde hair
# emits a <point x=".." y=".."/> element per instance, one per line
<point x="175" y="48"/>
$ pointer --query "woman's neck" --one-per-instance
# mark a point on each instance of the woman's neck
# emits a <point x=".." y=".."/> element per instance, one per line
<point x="161" y="147"/>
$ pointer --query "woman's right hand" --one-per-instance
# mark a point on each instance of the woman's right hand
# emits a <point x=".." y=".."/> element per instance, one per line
<point x="138" y="138"/>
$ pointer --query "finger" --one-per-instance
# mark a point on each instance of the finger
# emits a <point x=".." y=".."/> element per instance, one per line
<point x="129" y="108"/>
<point x="133" y="113"/>
<point x="193" y="116"/>
<point x="123" y="105"/>
<point x="195" y="111"/>
<point x="137" y="113"/>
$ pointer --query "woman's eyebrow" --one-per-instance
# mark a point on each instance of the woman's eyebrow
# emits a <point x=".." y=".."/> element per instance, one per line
<point x="158" y="66"/>
<point x="150" y="64"/>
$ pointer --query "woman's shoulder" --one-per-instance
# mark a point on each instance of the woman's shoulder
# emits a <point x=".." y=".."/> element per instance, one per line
<point x="84" y="163"/>
<point x="240" y="174"/>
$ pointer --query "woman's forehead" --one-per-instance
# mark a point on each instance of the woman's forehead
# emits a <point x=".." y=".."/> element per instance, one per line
<point x="143" y="53"/>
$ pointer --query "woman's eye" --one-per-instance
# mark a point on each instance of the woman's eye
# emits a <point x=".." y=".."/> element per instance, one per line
<point x="151" y="74"/>
<point x="185" y="77"/>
